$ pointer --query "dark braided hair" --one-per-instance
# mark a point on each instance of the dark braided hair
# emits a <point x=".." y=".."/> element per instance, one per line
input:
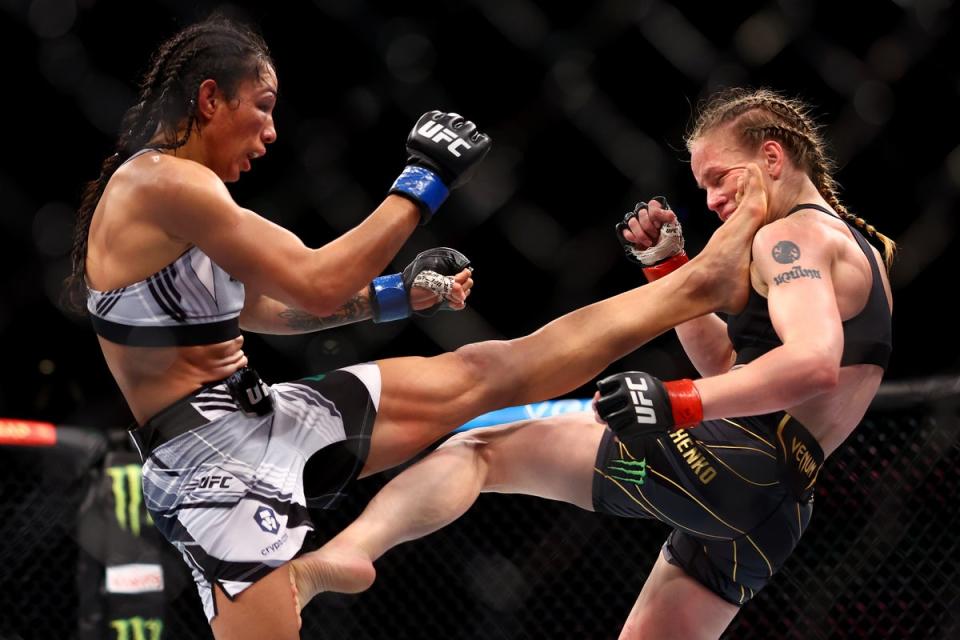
<point x="756" y="115"/>
<point x="217" y="49"/>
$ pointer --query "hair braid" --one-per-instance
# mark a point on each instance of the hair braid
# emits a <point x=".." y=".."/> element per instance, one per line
<point x="762" y="114"/>
<point x="216" y="48"/>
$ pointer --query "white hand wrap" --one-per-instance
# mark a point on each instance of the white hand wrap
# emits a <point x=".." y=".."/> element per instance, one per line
<point x="433" y="281"/>
<point x="669" y="245"/>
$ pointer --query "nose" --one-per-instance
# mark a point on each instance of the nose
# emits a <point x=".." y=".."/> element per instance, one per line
<point x="269" y="135"/>
<point x="715" y="200"/>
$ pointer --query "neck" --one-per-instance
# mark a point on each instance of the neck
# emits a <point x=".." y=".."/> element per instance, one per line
<point x="192" y="150"/>
<point x="792" y="193"/>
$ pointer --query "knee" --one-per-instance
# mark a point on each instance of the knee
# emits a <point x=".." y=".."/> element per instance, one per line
<point x="487" y="365"/>
<point x="474" y="445"/>
<point x="469" y="439"/>
<point x="483" y="358"/>
<point x="642" y="624"/>
<point x="635" y="628"/>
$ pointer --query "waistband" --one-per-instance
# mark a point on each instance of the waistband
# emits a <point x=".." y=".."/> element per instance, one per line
<point x="208" y="403"/>
<point x="182" y="335"/>
<point x="800" y="455"/>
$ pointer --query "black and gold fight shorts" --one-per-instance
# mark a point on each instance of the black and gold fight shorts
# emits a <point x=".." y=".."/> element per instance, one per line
<point x="738" y="493"/>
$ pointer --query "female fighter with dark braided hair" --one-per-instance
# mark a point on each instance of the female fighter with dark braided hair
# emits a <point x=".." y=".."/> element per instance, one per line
<point x="729" y="460"/>
<point x="171" y="269"/>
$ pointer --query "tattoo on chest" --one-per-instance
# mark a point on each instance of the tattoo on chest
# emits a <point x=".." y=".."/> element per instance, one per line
<point x="353" y="310"/>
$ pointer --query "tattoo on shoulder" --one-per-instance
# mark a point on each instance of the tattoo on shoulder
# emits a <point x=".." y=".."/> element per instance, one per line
<point x="786" y="252"/>
<point x="353" y="310"/>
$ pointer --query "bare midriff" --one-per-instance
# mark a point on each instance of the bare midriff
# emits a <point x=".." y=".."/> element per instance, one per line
<point x="831" y="417"/>
<point x="152" y="378"/>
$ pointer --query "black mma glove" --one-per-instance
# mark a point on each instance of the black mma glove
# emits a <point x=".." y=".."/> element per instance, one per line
<point x="636" y="405"/>
<point x="662" y="258"/>
<point x="432" y="269"/>
<point x="443" y="150"/>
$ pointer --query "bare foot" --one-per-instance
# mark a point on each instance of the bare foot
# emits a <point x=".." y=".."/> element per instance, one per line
<point x="296" y="594"/>
<point x="726" y="258"/>
<point x="327" y="569"/>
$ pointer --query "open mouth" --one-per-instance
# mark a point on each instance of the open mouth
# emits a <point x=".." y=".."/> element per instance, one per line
<point x="248" y="161"/>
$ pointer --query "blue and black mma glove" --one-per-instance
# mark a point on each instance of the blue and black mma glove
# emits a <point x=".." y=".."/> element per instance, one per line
<point x="636" y="405"/>
<point x="432" y="269"/>
<point x="662" y="258"/>
<point x="443" y="151"/>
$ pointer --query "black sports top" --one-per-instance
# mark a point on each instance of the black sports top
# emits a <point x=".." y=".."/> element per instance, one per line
<point x="867" y="337"/>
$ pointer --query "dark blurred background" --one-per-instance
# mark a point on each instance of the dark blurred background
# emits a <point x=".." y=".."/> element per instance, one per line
<point x="587" y="104"/>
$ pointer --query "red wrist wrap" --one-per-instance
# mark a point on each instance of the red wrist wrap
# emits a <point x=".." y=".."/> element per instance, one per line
<point x="672" y="263"/>
<point x="684" y="402"/>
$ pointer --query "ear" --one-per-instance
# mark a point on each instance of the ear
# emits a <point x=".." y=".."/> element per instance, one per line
<point x="773" y="157"/>
<point x="208" y="99"/>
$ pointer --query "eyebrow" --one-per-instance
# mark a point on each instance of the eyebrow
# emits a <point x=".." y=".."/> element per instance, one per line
<point x="708" y="173"/>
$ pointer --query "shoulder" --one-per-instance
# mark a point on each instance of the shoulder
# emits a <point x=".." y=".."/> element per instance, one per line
<point x="164" y="176"/>
<point x="800" y="235"/>
<point x="794" y="247"/>
<point x="174" y="193"/>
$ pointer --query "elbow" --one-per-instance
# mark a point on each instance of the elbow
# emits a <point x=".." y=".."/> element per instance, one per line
<point x="820" y="373"/>
<point x="325" y="292"/>
<point x="321" y="305"/>
<point x="320" y="301"/>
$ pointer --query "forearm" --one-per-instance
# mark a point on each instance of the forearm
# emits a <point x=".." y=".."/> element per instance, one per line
<point x="274" y="317"/>
<point x="443" y="151"/>
<point x="355" y="258"/>
<point x="706" y="343"/>
<point x="778" y="380"/>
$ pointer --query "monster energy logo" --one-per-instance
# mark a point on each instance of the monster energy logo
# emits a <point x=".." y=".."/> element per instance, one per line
<point x="138" y="628"/>
<point x="632" y="471"/>
<point x="127" y="496"/>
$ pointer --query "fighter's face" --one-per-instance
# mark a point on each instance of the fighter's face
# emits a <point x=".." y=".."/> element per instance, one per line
<point x="241" y="127"/>
<point x="717" y="161"/>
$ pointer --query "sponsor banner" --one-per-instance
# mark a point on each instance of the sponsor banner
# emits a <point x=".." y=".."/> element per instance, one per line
<point x="135" y="578"/>
<point x="137" y="628"/>
<point x="128" y="506"/>
<point x="27" y="433"/>
<point x="529" y="412"/>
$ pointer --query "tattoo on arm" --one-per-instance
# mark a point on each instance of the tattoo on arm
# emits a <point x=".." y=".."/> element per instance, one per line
<point x="796" y="273"/>
<point x="353" y="310"/>
<point x="786" y="252"/>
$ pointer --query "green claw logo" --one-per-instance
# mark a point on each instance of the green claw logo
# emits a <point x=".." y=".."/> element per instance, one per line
<point x="127" y="497"/>
<point x="632" y="471"/>
<point x="138" y="628"/>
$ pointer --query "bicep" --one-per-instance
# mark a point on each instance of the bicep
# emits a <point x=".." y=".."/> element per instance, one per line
<point x="796" y="266"/>
<point x="264" y="256"/>
<point x="259" y="253"/>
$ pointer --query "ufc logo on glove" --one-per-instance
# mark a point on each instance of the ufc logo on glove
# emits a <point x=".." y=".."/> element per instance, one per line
<point x="641" y="405"/>
<point x="438" y="133"/>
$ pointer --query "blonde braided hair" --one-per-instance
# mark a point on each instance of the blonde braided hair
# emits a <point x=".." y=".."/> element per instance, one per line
<point x="756" y="115"/>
